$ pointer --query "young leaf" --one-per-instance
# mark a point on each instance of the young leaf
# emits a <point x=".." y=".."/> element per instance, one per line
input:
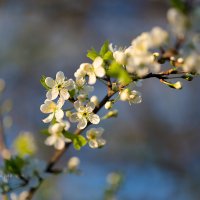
<point x="114" y="70"/>
<point x="180" y="5"/>
<point x="79" y="141"/>
<point x="42" y="81"/>
<point x="45" y="132"/>
<point x="72" y="93"/>
<point x="14" y="165"/>
<point x="92" y="54"/>
<point x="69" y="135"/>
<point x="117" y="71"/>
<point x="108" y="56"/>
<point x="104" y="49"/>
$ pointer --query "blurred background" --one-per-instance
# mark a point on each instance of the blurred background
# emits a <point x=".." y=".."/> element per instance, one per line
<point x="156" y="144"/>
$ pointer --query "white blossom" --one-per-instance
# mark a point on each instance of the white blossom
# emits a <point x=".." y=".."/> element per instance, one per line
<point x="94" y="135"/>
<point x="56" y="137"/>
<point x="141" y="63"/>
<point x="93" y="70"/>
<point x="84" y="114"/>
<point x="178" y="21"/>
<point x="142" y="43"/>
<point x="158" y="36"/>
<point x="130" y="96"/>
<point x="94" y="99"/>
<point x="191" y="63"/>
<point x="80" y="73"/>
<point x="53" y="109"/>
<point x="60" y="86"/>
<point x="177" y="85"/>
<point x="120" y="56"/>
<point x="139" y="59"/>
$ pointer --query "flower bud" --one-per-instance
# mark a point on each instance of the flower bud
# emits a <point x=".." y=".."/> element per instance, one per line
<point x="108" y="105"/>
<point x="73" y="163"/>
<point x="178" y="85"/>
<point x="95" y="100"/>
<point x="110" y="114"/>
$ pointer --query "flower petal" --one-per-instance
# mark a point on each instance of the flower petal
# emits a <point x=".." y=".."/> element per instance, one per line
<point x="100" y="72"/>
<point x="93" y="144"/>
<point x="90" y="107"/>
<point x="67" y="125"/>
<point x="101" y="142"/>
<point x="97" y="62"/>
<point x="82" y="123"/>
<point x="49" y="118"/>
<point x="94" y="119"/>
<point x="64" y="93"/>
<point x="99" y="132"/>
<point x="60" y="77"/>
<point x="50" y="82"/>
<point x="79" y="106"/>
<point x="74" y="117"/>
<point x="52" y="93"/>
<point x="92" y="78"/>
<point x="50" y="140"/>
<point x="60" y="102"/>
<point x="87" y="89"/>
<point x="69" y="85"/>
<point x="87" y="67"/>
<point x="59" y="144"/>
<point x="48" y="107"/>
<point x="59" y="114"/>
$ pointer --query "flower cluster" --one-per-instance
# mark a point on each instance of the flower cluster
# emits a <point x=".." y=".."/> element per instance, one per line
<point x="63" y="90"/>
<point x="137" y="59"/>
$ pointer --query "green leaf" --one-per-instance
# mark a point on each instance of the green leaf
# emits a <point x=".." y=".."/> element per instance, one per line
<point x="14" y="165"/>
<point x="92" y="54"/>
<point x="108" y="56"/>
<point x="72" y="93"/>
<point x="45" y="132"/>
<point x="42" y="81"/>
<point x="117" y="71"/>
<point x="79" y="142"/>
<point x="104" y="49"/>
<point x="125" y="78"/>
<point x="114" y="70"/>
<point x="180" y="5"/>
<point x="69" y="135"/>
